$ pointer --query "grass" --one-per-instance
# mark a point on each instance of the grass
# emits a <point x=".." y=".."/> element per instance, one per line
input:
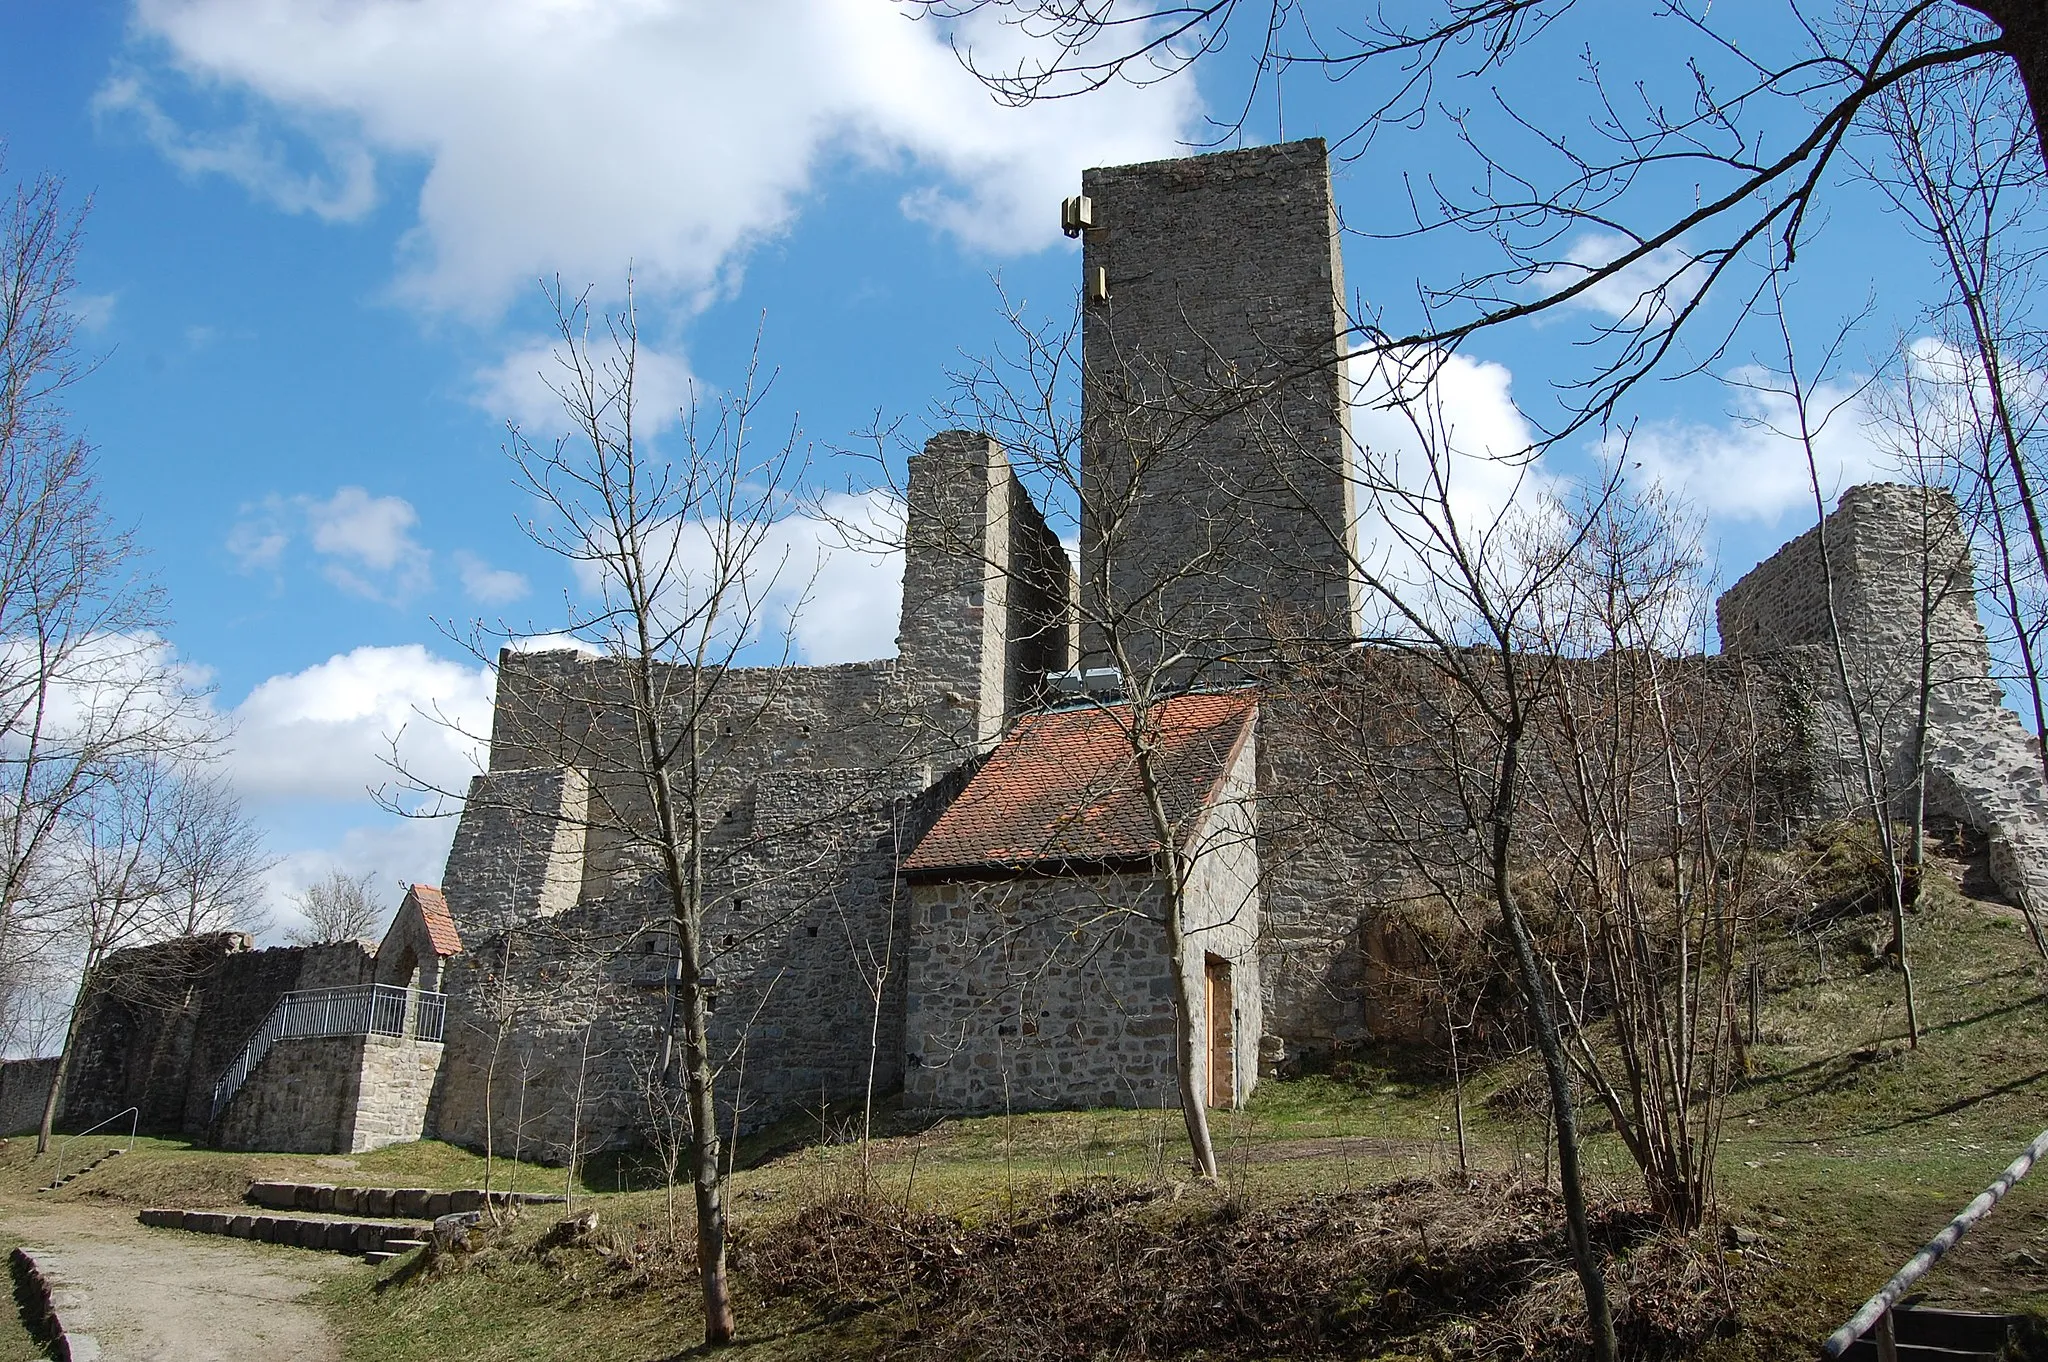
<point x="173" y="1172"/>
<point x="1842" y="1153"/>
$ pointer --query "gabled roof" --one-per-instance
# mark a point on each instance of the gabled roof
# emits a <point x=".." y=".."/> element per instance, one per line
<point x="1062" y="787"/>
<point x="434" y="912"/>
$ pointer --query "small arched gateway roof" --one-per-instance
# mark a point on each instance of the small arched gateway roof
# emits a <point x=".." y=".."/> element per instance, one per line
<point x="1061" y="791"/>
<point x="433" y="910"/>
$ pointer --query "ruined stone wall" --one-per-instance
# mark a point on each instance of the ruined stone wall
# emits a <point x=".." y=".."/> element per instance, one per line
<point x="1897" y="555"/>
<point x="171" y="1016"/>
<point x="1899" y="558"/>
<point x="1327" y="874"/>
<point x="985" y="581"/>
<point x="297" y="1100"/>
<point x="805" y="918"/>
<point x="518" y="848"/>
<point x="1216" y="503"/>
<point x="24" y="1088"/>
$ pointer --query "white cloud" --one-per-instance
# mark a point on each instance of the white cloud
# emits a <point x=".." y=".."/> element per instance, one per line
<point x="829" y="584"/>
<point x="94" y="311"/>
<point x="397" y="852"/>
<point x="574" y="136"/>
<point x="327" y="733"/>
<point x="249" y="155"/>
<point x="517" y="388"/>
<point x="488" y="585"/>
<point x="365" y="543"/>
<point x="1651" y="289"/>
<point x="1753" y="468"/>
<point x="1445" y="431"/>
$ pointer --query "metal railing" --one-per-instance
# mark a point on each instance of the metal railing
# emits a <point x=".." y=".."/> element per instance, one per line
<point x="356" y="1010"/>
<point x="134" y="1115"/>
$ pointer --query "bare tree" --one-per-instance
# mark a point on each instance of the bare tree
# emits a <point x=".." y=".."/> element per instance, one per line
<point x="129" y="875"/>
<point x="1145" y="617"/>
<point x="1685" y="164"/>
<point x="88" y="692"/>
<point x="336" y="907"/>
<point x="1648" y="827"/>
<point x="679" y="552"/>
<point x="1435" y="725"/>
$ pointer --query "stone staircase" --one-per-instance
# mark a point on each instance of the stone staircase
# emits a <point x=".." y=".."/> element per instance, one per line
<point x="64" y="1178"/>
<point x="378" y="1223"/>
<point x="1927" y="1334"/>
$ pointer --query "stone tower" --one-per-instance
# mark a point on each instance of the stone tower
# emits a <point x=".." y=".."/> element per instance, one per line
<point x="985" y="592"/>
<point x="1216" y="510"/>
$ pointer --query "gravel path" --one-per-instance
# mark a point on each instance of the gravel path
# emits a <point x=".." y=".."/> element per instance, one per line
<point x="165" y="1296"/>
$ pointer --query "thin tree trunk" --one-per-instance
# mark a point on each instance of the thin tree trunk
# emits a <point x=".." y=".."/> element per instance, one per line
<point x="1599" y="1314"/>
<point x="1187" y="1058"/>
<point x="54" y="1099"/>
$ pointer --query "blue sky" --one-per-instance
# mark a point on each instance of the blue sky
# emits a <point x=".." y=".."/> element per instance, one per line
<point x="310" y="269"/>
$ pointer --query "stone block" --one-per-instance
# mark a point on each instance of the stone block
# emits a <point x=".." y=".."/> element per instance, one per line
<point x="410" y="1201"/>
<point x="278" y="1196"/>
<point x="468" y="1199"/>
<point x="324" y="1197"/>
<point x="348" y="1200"/>
<point x="376" y="1201"/>
<point x="242" y="1226"/>
<point x="306" y="1196"/>
<point x="437" y="1205"/>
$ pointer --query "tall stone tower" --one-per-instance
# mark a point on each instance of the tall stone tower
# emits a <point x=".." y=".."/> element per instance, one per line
<point x="1216" y="510"/>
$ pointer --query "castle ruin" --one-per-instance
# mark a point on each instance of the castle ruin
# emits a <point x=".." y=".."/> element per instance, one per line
<point x="940" y="873"/>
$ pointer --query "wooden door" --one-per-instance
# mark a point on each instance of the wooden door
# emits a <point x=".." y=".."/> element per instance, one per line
<point x="1222" y="1050"/>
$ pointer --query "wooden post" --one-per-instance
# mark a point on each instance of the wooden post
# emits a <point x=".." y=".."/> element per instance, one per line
<point x="1887" y="1342"/>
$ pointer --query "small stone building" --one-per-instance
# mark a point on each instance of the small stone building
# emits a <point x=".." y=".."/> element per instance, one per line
<point x="1041" y="969"/>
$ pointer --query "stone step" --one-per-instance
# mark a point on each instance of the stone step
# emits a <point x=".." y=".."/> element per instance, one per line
<point x="334" y="1236"/>
<point x="418" y="1203"/>
<point x="76" y="1174"/>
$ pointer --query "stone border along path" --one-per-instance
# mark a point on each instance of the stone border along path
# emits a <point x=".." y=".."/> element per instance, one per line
<point x="47" y="1300"/>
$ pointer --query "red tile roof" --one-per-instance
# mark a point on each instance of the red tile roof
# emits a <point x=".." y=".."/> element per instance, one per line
<point x="440" y="925"/>
<point x="1062" y="787"/>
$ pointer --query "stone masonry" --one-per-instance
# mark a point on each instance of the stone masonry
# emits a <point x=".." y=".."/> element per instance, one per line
<point x="1216" y="503"/>
<point x="842" y="953"/>
<point x="1903" y="590"/>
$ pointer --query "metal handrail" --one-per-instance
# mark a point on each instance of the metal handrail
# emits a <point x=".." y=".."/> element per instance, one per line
<point x="351" y="1010"/>
<point x="1880" y="1305"/>
<point x="134" y="1115"/>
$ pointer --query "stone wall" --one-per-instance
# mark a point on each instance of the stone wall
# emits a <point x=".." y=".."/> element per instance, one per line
<point x="1039" y="993"/>
<point x="1899" y="563"/>
<point x="985" y="606"/>
<point x="170" y="1017"/>
<point x="1216" y="502"/>
<point x="297" y="1100"/>
<point x="24" y="1088"/>
<point x="394" y="1082"/>
<point x="804" y="917"/>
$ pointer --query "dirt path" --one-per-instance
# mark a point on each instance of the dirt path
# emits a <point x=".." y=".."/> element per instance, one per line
<point x="164" y="1296"/>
